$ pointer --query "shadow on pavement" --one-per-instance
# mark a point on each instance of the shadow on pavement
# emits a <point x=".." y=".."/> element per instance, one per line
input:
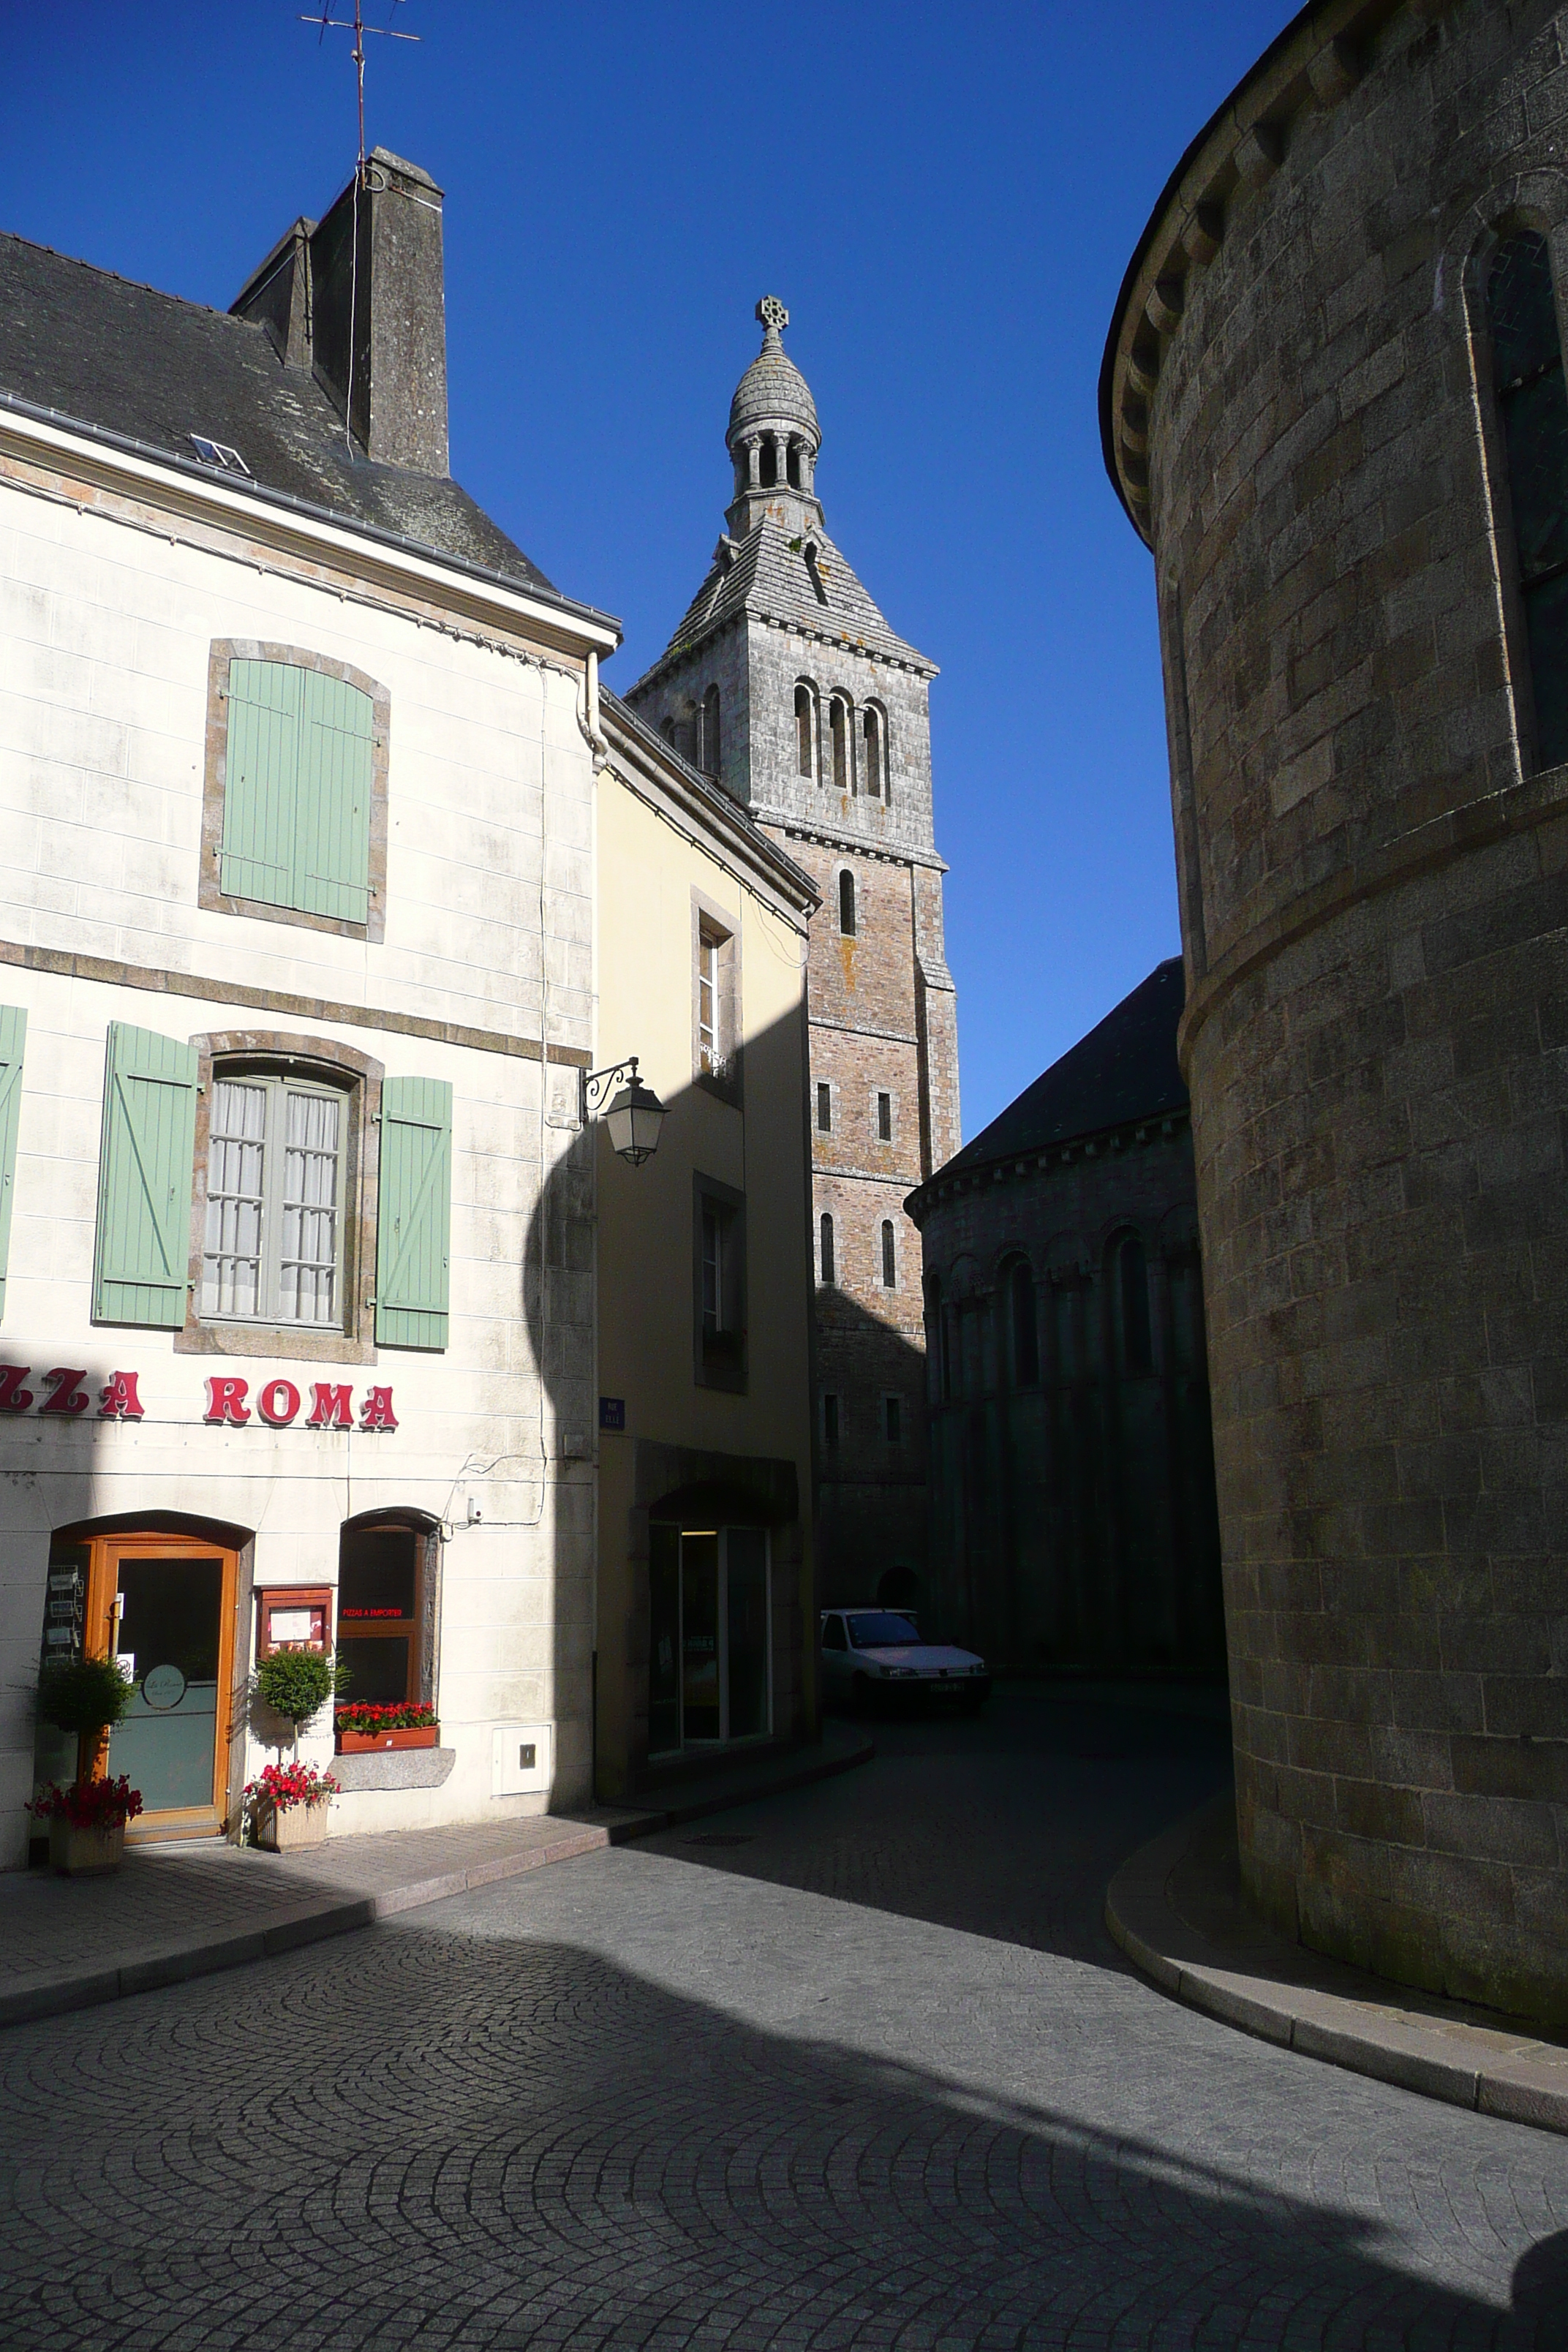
<point x="1008" y="1824"/>
<point x="489" y="2139"/>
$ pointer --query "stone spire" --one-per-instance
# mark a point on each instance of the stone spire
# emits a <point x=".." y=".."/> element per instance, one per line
<point x="773" y="435"/>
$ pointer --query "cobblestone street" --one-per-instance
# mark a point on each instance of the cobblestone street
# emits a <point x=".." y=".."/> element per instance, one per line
<point x="854" y="2065"/>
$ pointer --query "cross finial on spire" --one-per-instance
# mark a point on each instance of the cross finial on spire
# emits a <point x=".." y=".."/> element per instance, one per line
<point x="772" y="313"/>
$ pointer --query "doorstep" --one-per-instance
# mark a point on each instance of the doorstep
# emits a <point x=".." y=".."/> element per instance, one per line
<point x="186" y="1909"/>
<point x="1177" y="1911"/>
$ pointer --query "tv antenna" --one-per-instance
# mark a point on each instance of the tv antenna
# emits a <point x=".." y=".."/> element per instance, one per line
<point x="326" y="22"/>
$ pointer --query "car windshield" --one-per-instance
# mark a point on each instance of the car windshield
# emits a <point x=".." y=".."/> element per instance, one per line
<point x="880" y="1630"/>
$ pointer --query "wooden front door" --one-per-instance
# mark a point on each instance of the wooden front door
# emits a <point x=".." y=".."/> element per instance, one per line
<point x="164" y="1605"/>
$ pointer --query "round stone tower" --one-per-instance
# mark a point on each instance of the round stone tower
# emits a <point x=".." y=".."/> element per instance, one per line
<point x="1333" y="402"/>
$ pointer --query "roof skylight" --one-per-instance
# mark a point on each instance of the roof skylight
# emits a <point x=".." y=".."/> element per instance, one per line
<point x="218" y="453"/>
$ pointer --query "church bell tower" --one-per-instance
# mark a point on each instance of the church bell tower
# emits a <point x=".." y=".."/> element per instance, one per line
<point x="784" y="683"/>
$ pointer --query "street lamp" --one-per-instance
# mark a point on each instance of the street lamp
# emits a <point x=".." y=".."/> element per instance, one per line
<point x="634" y="1117"/>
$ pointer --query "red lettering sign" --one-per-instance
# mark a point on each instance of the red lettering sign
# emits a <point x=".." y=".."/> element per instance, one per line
<point x="377" y="1411"/>
<point x="67" y="1396"/>
<point x="331" y="1407"/>
<point x="226" y="1401"/>
<point x="14" y="1397"/>
<point x="121" y="1401"/>
<point x="279" y="1402"/>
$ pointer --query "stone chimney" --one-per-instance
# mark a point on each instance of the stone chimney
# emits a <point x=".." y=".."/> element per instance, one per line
<point x="368" y="317"/>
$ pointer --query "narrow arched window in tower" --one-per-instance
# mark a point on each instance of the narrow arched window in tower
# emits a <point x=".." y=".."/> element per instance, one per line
<point x="1532" y="411"/>
<point x="769" y="473"/>
<point x="889" y="1257"/>
<point x="872" y="766"/>
<point x="666" y="728"/>
<point x="1026" y="1330"/>
<point x="1132" y="1282"/>
<point x="838" y="729"/>
<point x="826" y="1236"/>
<point x="709" y="762"/>
<point x="846" y="907"/>
<point x="805" y="730"/>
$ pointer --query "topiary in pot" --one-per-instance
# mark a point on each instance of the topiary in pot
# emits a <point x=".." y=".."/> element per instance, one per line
<point x="296" y="1684"/>
<point x="87" y="1695"/>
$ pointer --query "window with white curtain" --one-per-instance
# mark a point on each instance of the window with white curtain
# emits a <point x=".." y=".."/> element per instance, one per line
<point x="275" y="1201"/>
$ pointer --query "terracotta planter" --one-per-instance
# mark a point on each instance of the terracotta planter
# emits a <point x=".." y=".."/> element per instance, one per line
<point x="85" y="1853"/>
<point x="381" y="1743"/>
<point x="292" y="1828"/>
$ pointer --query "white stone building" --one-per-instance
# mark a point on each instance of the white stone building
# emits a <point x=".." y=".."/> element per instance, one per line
<point x="296" y="978"/>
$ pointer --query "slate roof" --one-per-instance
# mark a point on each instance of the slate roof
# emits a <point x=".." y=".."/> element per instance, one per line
<point x="98" y="349"/>
<point x="764" y="577"/>
<point x="1125" y="1070"/>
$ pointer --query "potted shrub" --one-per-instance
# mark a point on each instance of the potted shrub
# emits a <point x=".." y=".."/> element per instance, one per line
<point x="364" y="1728"/>
<point x="87" y="1829"/>
<point x="289" y="1806"/>
<point x="296" y="1684"/>
<point x="87" y="1824"/>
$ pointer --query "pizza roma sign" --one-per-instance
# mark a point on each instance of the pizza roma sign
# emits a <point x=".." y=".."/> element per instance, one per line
<point x="278" y="1402"/>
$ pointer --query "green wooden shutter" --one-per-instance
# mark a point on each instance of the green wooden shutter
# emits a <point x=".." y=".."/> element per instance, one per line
<point x="144" y="1179"/>
<point x="297" y="790"/>
<point x="333" y="823"/>
<point x="414" y="1217"/>
<point x="13" y="1037"/>
<point x="261" y="775"/>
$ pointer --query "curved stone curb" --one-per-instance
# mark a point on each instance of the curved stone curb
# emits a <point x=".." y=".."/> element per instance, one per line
<point x="1284" y="1994"/>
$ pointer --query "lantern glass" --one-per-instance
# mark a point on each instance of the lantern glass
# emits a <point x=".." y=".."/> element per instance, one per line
<point x="634" y="1119"/>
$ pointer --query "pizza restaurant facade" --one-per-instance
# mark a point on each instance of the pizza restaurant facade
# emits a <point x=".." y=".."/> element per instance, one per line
<point x="296" y="988"/>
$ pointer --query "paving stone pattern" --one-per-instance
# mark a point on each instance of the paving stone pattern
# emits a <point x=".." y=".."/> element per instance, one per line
<point x="873" y="2075"/>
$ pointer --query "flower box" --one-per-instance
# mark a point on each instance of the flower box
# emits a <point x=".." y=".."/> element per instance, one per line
<point x="285" y="1829"/>
<point x="378" y="1743"/>
<point x="78" y="1853"/>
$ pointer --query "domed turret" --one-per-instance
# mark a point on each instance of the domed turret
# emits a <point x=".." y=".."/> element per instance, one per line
<point x="773" y="435"/>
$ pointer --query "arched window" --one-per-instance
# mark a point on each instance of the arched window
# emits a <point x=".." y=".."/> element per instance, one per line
<point x="889" y="1257"/>
<point x="710" y="759"/>
<point x="839" y="728"/>
<point x="1026" y="1330"/>
<point x="1132" y="1286"/>
<point x="936" y="1354"/>
<point x="805" y="730"/>
<point x="1532" y="413"/>
<point x="827" y="1241"/>
<point x="666" y="728"/>
<point x="768" y="473"/>
<point x="874" y="765"/>
<point x="847" y="905"/>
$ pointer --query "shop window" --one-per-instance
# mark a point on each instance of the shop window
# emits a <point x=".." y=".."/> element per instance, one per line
<point x="296" y="793"/>
<point x="709" y="1649"/>
<point x="274" y="1246"/>
<point x="1532" y="413"/>
<point x="719" y="1284"/>
<point x="386" y="1612"/>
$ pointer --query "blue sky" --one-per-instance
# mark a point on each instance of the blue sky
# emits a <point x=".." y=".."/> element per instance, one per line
<point x="945" y="198"/>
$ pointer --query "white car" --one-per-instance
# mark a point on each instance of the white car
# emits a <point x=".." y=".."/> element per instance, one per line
<point x="871" y="1655"/>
